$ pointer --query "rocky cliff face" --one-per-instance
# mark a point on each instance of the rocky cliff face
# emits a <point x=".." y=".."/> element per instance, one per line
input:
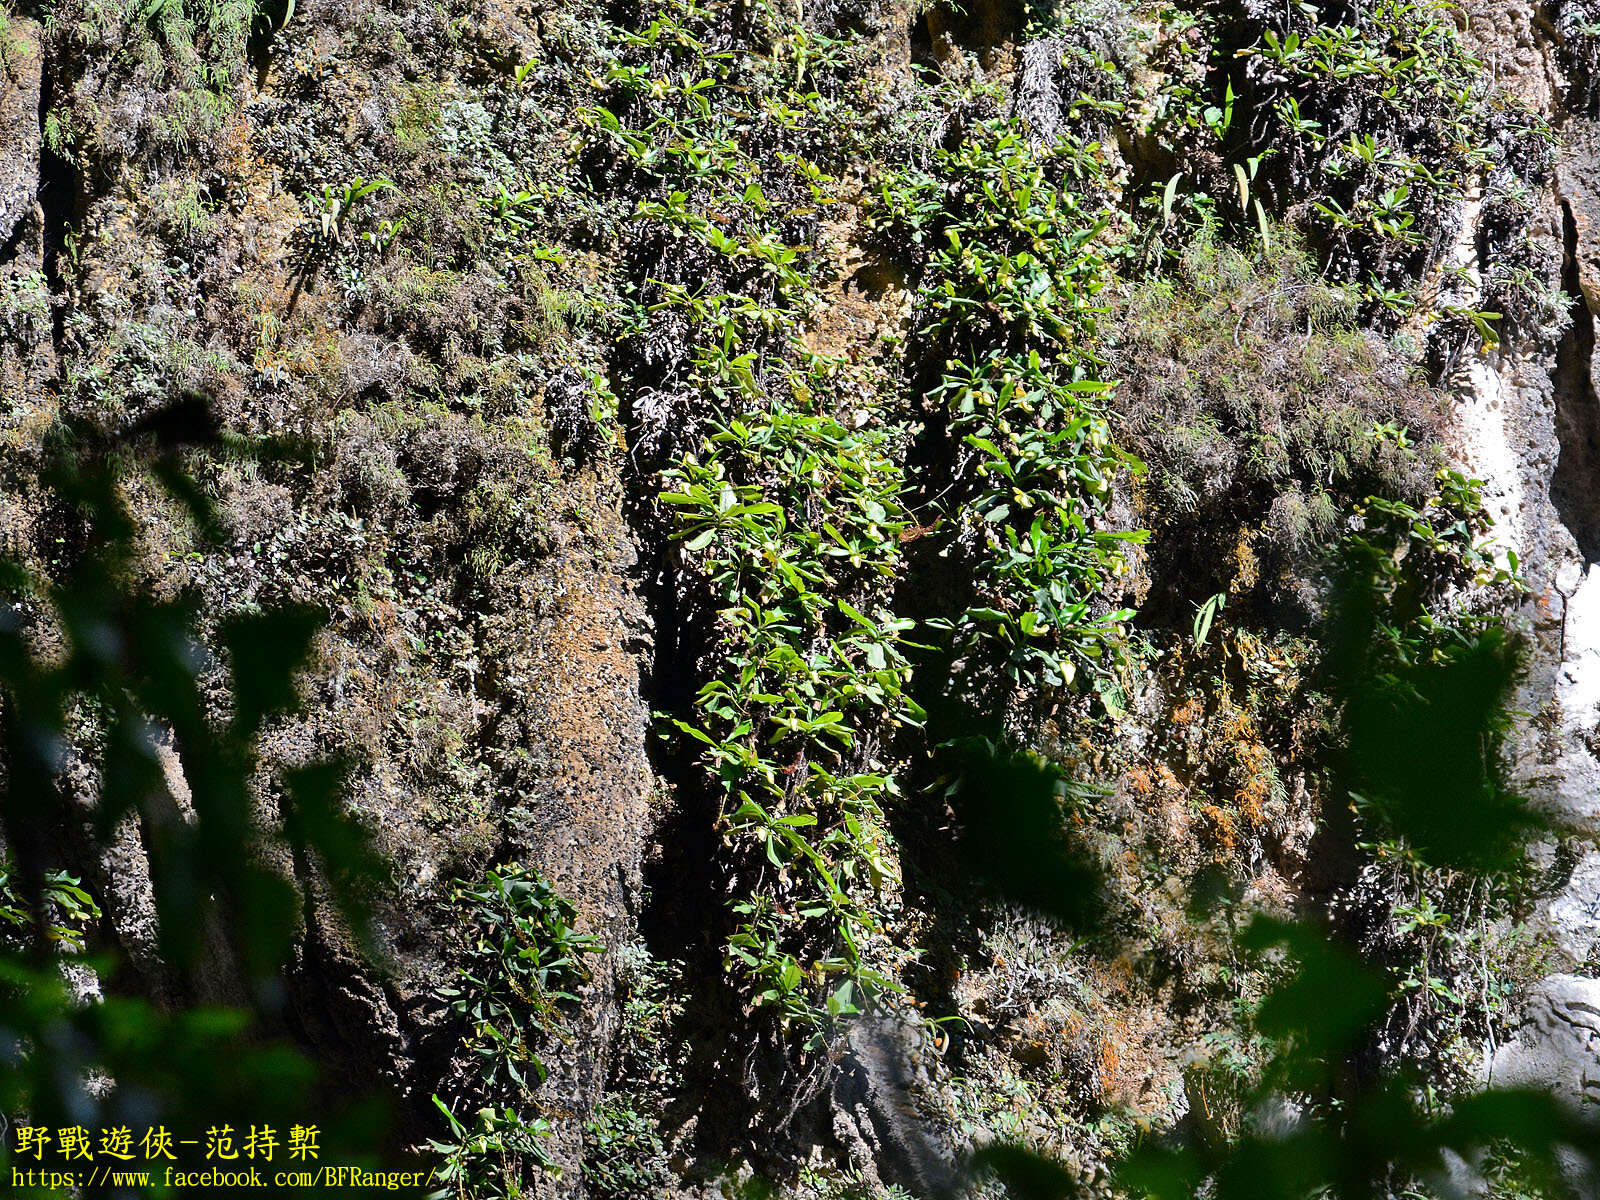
<point x="487" y="628"/>
<point x="593" y="372"/>
<point x="1528" y="427"/>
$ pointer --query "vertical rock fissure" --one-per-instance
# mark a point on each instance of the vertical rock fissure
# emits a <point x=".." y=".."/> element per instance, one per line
<point x="1573" y="488"/>
<point x="58" y="196"/>
<point x="1552" y="1048"/>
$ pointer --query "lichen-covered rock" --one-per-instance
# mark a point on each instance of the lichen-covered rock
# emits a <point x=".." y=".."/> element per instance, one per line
<point x="21" y="84"/>
<point x="1558" y="1044"/>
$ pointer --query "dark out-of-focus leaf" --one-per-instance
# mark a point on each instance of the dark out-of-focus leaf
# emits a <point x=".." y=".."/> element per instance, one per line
<point x="1422" y="753"/>
<point x="315" y="821"/>
<point x="188" y="1071"/>
<point x="1012" y="807"/>
<point x="1425" y="698"/>
<point x="1555" y="1147"/>
<point x="227" y="870"/>
<point x="1322" y="1011"/>
<point x="266" y="650"/>
<point x="1026" y="1176"/>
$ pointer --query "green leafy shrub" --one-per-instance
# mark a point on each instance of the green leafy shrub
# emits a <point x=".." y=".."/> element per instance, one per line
<point x="805" y="676"/>
<point x="779" y="482"/>
<point x="1380" y="115"/>
<point x="520" y="956"/>
<point x="1009" y="267"/>
<point x="70" y="911"/>
<point x="490" y="1159"/>
<point x="628" y="1147"/>
<point x="624" y="1158"/>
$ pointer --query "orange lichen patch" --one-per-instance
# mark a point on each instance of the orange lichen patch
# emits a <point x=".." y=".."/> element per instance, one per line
<point x="29" y="423"/>
<point x="1123" y="1035"/>
<point x="1190" y="711"/>
<point x="270" y="214"/>
<point x="300" y="347"/>
<point x="1175" y="814"/>
<point x="1237" y="725"/>
<point x="865" y="301"/>
<point x="1109" y="1066"/>
<point x="1246" y="566"/>
<point x="233" y="145"/>
<point x="596" y="746"/>
<point x="1255" y="762"/>
<point x="1114" y="978"/>
<point x="1153" y="780"/>
<point x="1222" y="826"/>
